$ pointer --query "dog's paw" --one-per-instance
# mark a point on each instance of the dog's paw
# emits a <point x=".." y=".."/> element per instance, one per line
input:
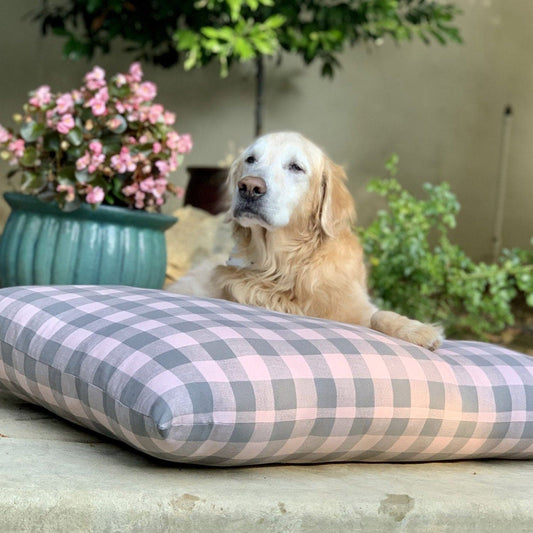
<point x="425" y="335"/>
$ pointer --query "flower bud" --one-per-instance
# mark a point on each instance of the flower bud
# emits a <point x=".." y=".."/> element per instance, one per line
<point x="5" y="155"/>
<point x="17" y="117"/>
<point x="89" y="125"/>
<point x="64" y="145"/>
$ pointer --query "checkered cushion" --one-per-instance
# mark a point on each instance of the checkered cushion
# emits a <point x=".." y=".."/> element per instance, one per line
<point x="206" y="381"/>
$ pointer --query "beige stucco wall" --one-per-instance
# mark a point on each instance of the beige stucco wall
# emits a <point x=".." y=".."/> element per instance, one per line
<point x="439" y="108"/>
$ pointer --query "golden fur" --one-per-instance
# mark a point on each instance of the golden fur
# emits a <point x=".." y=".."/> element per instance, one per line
<point x="314" y="264"/>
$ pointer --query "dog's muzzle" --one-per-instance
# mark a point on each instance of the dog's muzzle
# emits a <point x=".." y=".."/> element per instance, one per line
<point x="250" y="191"/>
<point x="251" y="188"/>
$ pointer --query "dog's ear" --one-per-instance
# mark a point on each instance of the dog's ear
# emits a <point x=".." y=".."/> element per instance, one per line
<point x="337" y="208"/>
<point x="234" y="174"/>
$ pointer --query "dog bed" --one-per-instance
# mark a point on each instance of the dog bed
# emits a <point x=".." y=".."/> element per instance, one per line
<point x="198" y="380"/>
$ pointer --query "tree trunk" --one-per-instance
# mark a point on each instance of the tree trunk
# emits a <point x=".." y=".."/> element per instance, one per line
<point x="259" y="96"/>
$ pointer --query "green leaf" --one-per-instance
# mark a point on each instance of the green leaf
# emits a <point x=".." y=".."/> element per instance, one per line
<point x="244" y="49"/>
<point x="235" y="8"/>
<point x="192" y="59"/>
<point x="265" y="47"/>
<point x="186" y="39"/>
<point x="31" y="131"/>
<point x="66" y="175"/>
<point x="29" y="157"/>
<point x="51" y="142"/>
<point x="82" y="176"/>
<point x="75" y="136"/>
<point x="111" y="144"/>
<point x="274" y="22"/>
<point x="32" y="181"/>
<point x="211" y="33"/>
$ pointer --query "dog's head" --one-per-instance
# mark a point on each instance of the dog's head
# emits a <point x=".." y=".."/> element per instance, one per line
<point x="283" y="179"/>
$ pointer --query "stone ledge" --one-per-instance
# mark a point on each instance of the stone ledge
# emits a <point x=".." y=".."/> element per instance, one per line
<point x="56" y="477"/>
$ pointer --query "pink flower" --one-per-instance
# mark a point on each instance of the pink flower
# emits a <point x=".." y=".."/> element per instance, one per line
<point x="114" y="123"/>
<point x="96" y="161"/>
<point x="156" y="148"/>
<point x="98" y="102"/>
<point x="130" y="190"/>
<point x="5" y="136"/>
<point x="102" y="95"/>
<point x="136" y="72"/>
<point x="139" y="199"/>
<point x="95" y="147"/>
<point x="147" y="185"/>
<point x="146" y="91"/>
<point x="65" y="124"/>
<point x="180" y="192"/>
<point x="120" y="80"/>
<point x="69" y="189"/>
<point x="16" y="147"/>
<point x="77" y="96"/>
<point x="172" y="140"/>
<point x="155" y="113"/>
<point x="41" y="96"/>
<point x="163" y="167"/>
<point x="98" y="108"/>
<point x="173" y="162"/>
<point x="95" y="79"/>
<point x="160" y="187"/>
<point x="123" y="162"/>
<point x="184" y="143"/>
<point x="95" y="195"/>
<point x="83" y="161"/>
<point x="65" y="104"/>
<point x="169" y="118"/>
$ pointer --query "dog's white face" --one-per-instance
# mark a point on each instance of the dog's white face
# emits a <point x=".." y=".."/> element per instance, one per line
<point x="271" y="178"/>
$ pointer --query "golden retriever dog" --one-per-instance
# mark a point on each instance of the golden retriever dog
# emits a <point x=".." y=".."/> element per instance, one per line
<point x="295" y="249"/>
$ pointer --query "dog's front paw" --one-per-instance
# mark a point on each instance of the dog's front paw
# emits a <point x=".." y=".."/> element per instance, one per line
<point x="425" y="335"/>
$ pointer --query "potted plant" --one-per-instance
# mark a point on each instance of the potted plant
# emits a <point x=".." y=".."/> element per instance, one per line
<point x="165" y="32"/>
<point x="94" y="167"/>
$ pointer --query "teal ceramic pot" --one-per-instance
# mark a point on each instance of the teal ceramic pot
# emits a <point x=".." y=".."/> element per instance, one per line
<point x="42" y="245"/>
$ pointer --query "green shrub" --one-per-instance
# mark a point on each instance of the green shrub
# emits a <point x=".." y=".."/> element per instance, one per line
<point x="438" y="282"/>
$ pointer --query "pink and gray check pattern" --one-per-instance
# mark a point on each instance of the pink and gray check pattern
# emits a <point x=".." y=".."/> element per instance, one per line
<point x="206" y="381"/>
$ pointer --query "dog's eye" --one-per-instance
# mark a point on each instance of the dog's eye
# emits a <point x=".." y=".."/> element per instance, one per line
<point x="295" y="167"/>
<point x="250" y="160"/>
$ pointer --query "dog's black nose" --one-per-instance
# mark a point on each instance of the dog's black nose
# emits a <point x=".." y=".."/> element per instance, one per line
<point x="252" y="188"/>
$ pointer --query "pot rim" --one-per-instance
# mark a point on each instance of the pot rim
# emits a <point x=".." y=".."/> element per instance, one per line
<point x="118" y="215"/>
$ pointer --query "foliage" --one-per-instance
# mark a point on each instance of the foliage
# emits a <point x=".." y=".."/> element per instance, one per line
<point x="438" y="283"/>
<point x="106" y="142"/>
<point x="240" y="30"/>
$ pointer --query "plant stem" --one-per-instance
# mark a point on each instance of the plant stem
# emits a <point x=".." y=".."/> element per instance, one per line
<point x="259" y="83"/>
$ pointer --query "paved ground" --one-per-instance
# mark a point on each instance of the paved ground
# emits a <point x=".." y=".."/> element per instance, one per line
<point x="55" y="477"/>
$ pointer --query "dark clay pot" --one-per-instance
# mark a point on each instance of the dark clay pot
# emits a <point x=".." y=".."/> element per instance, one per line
<point x="207" y="189"/>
